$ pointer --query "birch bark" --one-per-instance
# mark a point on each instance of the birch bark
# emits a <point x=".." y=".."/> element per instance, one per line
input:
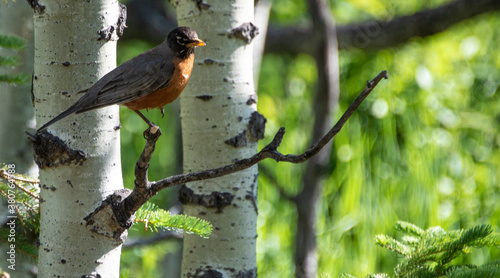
<point x="216" y="108"/>
<point x="69" y="57"/>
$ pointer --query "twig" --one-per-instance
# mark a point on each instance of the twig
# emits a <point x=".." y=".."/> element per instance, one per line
<point x="11" y="178"/>
<point x="4" y="175"/>
<point x="270" y="151"/>
<point x="144" y="189"/>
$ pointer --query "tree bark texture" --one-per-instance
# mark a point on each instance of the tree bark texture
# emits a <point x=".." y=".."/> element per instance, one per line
<point x="70" y="56"/>
<point x="216" y="108"/>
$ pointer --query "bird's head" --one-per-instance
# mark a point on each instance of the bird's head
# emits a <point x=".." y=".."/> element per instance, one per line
<point x="182" y="41"/>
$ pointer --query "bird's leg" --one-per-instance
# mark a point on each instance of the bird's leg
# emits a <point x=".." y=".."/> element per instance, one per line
<point x="150" y="123"/>
<point x="162" y="112"/>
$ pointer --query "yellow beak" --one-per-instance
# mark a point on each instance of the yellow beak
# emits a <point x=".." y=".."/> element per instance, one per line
<point x="196" y="43"/>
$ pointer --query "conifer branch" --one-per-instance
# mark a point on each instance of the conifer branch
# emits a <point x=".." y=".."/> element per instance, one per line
<point x="429" y="253"/>
<point x="15" y="43"/>
<point x="155" y="218"/>
<point x="24" y="206"/>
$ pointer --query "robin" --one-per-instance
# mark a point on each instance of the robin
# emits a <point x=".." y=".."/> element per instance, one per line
<point x="150" y="80"/>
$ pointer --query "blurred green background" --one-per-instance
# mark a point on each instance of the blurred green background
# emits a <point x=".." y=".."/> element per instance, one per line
<point x="423" y="147"/>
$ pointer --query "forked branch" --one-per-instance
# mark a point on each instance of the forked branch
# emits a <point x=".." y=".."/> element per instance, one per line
<point x="144" y="189"/>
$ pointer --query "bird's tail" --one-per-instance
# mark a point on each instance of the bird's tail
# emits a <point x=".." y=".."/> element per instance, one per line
<point x="72" y="109"/>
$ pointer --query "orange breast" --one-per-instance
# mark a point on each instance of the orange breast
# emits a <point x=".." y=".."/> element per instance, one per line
<point x="170" y="93"/>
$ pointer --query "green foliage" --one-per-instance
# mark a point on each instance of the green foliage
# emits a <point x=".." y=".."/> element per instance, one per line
<point x="14" y="43"/>
<point x="434" y="252"/>
<point x="489" y="270"/>
<point x="424" y="147"/>
<point x="378" y="275"/>
<point x="429" y="254"/>
<point x="14" y="79"/>
<point x="21" y="194"/>
<point x="149" y="260"/>
<point x="22" y="243"/>
<point x="9" y="61"/>
<point x="156" y="218"/>
<point x="11" y="42"/>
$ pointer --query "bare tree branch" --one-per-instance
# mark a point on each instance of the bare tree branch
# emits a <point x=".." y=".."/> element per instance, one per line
<point x="381" y="34"/>
<point x="144" y="189"/>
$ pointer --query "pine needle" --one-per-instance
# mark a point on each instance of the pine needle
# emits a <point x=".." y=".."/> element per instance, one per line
<point x="155" y="218"/>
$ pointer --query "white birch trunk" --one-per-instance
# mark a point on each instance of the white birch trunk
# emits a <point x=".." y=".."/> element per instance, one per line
<point x="70" y="58"/>
<point x="217" y="106"/>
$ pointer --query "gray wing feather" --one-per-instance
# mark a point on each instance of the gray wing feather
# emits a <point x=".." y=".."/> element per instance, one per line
<point x="131" y="80"/>
<point x="140" y="76"/>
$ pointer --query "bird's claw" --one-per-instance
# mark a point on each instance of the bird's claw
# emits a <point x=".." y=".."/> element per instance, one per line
<point x="152" y="130"/>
